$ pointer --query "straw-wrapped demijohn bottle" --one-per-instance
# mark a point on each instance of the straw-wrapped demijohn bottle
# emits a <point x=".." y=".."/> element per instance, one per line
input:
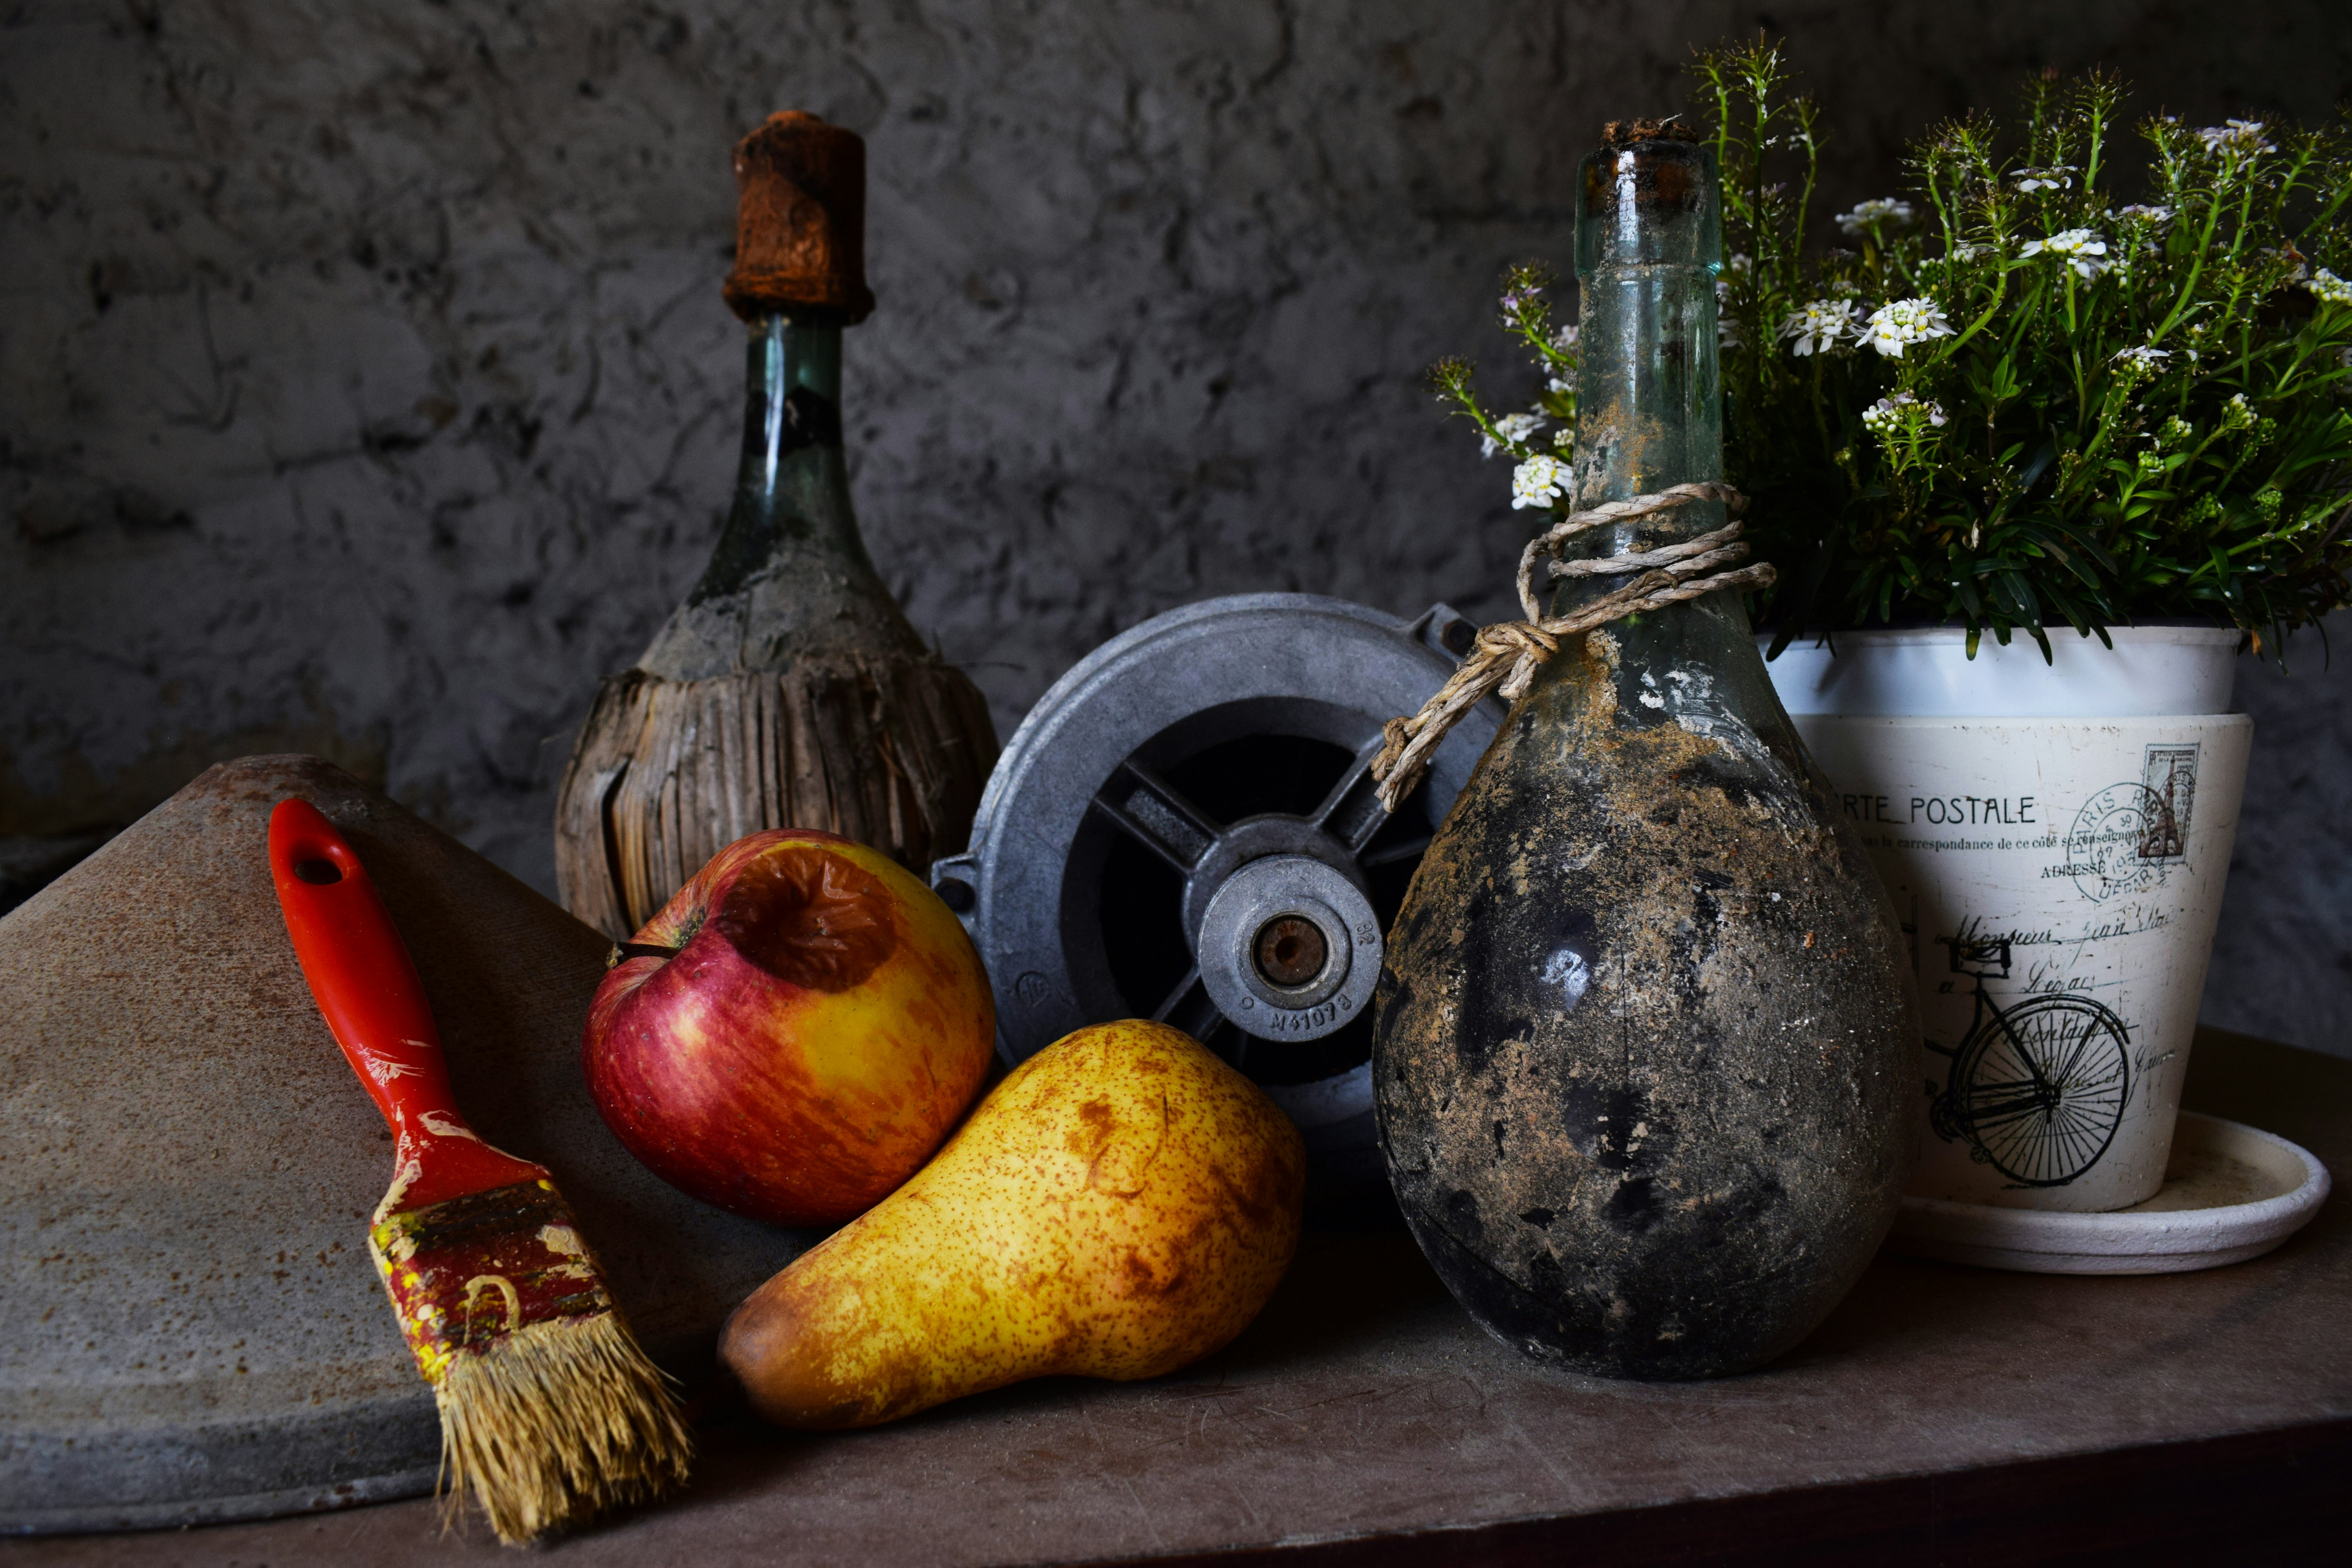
<point x="788" y="691"/>
<point x="1647" y="1044"/>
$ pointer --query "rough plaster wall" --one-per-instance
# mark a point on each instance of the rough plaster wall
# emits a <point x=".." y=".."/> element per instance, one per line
<point x="367" y="387"/>
<point x="2282" y="959"/>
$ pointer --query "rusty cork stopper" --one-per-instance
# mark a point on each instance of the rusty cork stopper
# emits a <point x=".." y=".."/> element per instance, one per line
<point x="800" y="222"/>
<point x="1619" y="135"/>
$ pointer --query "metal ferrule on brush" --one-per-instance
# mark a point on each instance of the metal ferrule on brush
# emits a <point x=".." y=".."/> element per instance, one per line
<point x="466" y="1274"/>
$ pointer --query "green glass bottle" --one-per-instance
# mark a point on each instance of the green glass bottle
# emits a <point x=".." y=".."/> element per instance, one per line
<point x="1646" y="1037"/>
<point x="788" y="690"/>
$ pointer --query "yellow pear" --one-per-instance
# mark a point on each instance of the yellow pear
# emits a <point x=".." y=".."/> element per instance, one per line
<point x="1121" y="1205"/>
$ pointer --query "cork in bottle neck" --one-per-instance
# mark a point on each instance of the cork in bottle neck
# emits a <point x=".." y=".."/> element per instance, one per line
<point x="800" y="224"/>
<point x="1619" y="135"/>
<point x="1647" y="198"/>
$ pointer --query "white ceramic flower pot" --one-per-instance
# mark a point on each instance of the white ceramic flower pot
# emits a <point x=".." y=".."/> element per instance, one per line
<point x="2055" y="837"/>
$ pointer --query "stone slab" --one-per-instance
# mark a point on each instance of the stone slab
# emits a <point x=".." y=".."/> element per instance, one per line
<point x="190" y="1325"/>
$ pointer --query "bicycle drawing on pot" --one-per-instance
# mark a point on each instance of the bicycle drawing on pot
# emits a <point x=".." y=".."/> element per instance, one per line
<point x="2036" y="1090"/>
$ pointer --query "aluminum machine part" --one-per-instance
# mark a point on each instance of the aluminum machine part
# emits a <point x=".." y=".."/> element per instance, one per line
<point x="1184" y="828"/>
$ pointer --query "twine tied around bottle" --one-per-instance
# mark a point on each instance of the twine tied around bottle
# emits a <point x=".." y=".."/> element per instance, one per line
<point x="1505" y="655"/>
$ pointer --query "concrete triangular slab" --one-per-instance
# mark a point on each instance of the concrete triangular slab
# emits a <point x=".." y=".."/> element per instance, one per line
<point x="190" y="1327"/>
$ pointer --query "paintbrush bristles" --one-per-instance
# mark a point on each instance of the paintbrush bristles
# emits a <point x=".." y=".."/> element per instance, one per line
<point x="557" y="1422"/>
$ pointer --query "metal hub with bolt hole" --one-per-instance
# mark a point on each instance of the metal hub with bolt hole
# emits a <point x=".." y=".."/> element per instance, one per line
<point x="1184" y="828"/>
<point x="1289" y="948"/>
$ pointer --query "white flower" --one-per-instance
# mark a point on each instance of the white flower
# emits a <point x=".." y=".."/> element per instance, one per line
<point x="2136" y="365"/>
<point x="2331" y="290"/>
<point x="2236" y="136"/>
<point x="2058" y="177"/>
<point x="1817" y="327"/>
<point x="1564" y="339"/>
<point x="1740" y="262"/>
<point x="2083" y="250"/>
<point x="1877" y="210"/>
<point x="2137" y="213"/>
<point x="1558" y="383"/>
<point x="1888" y="412"/>
<point x="1514" y="429"/>
<point x="1537" y="482"/>
<point x="1899" y="322"/>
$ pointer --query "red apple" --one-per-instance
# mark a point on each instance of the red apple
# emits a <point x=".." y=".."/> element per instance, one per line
<point x="808" y="1024"/>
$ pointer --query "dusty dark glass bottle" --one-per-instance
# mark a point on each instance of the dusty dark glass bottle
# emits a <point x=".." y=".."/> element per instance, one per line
<point x="1646" y="1039"/>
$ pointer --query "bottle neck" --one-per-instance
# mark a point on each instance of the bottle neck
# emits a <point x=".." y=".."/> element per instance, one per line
<point x="792" y="492"/>
<point x="1649" y="391"/>
<point x="1649" y="408"/>
<point x="791" y="398"/>
<point x="1650" y="416"/>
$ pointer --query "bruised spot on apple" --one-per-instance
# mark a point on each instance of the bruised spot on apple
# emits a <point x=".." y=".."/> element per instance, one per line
<point x="812" y="919"/>
<point x="819" y="1023"/>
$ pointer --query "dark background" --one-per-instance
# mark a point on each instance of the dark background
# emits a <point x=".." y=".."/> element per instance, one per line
<point x="367" y="390"/>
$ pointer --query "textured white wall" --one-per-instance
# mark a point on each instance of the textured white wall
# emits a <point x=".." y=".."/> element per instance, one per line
<point x="367" y="387"/>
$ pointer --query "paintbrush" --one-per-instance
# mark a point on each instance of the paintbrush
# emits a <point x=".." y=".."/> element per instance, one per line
<point x="549" y="1411"/>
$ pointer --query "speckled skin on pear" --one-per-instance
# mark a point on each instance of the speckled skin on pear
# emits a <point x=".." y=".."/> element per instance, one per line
<point x="1120" y="1205"/>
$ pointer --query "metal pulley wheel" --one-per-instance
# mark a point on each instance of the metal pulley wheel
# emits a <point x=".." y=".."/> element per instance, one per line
<point x="1184" y="829"/>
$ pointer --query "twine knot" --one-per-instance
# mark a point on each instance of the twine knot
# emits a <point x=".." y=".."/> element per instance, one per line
<point x="1505" y="655"/>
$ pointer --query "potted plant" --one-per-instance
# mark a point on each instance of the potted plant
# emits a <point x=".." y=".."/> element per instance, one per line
<point x="2116" y="434"/>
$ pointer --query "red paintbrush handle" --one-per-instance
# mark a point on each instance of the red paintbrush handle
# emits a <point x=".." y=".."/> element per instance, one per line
<point x="367" y="987"/>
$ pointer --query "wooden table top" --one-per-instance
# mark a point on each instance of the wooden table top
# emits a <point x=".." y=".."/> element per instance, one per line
<point x="1978" y="1416"/>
